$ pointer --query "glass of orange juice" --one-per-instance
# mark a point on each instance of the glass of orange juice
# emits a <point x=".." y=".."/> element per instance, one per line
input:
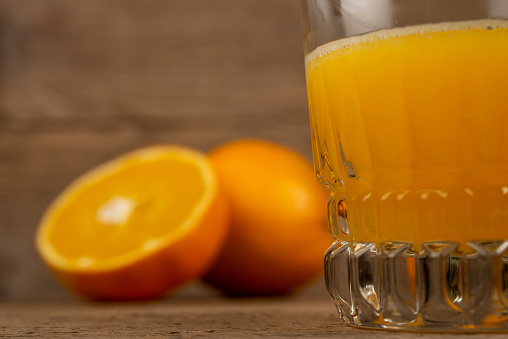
<point x="408" y="107"/>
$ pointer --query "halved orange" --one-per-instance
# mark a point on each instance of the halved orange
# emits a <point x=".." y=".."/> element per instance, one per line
<point x="137" y="226"/>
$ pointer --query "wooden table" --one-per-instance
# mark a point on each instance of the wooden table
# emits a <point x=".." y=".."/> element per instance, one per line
<point x="212" y="317"/>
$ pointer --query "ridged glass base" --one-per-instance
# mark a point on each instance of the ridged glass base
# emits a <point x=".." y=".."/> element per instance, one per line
<point x="437" y="288"/>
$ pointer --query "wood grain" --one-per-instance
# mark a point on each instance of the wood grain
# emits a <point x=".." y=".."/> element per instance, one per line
<point x="84" y="81"/>
<point x="275" y="318"/>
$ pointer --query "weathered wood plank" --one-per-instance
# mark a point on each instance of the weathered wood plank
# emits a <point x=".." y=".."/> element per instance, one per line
<point x="84" y="81"/>
<point x="208" y="318"/>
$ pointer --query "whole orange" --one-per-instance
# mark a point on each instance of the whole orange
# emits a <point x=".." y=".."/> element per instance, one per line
<point x="278" y="232"/>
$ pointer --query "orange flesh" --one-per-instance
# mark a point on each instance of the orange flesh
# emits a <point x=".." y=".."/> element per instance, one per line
<point x="120" y="212"/>
<point x="422" y="116"/>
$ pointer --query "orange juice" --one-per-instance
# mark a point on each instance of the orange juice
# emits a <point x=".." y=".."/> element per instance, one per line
<point x="410" y="131"/>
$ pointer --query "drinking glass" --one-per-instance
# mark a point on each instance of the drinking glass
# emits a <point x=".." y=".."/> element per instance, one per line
<point x="408" y="105"/>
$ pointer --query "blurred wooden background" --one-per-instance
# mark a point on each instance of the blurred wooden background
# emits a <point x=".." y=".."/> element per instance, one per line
<point x="84" y="81"/>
